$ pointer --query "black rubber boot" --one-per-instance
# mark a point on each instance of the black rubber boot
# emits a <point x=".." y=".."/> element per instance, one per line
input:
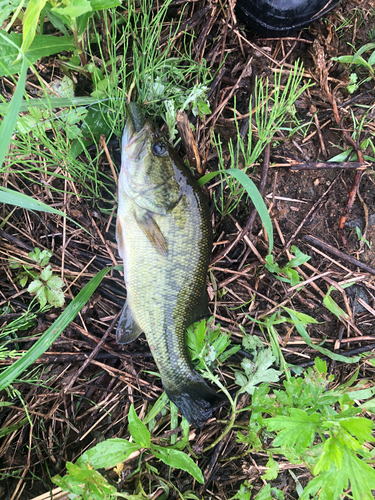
<point x="281" y="17"/>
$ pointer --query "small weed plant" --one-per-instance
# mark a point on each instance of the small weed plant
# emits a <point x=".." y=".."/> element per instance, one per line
<point x="321" y="429"/>
<point x="46" y="287"/>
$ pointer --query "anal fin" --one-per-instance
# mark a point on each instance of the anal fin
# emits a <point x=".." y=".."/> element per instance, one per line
<point x="127" y="328"/>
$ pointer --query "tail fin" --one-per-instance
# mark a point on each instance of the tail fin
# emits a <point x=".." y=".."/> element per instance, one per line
<point x="195" y="399"/>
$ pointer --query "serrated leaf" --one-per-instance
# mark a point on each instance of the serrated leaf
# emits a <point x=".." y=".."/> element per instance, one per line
<point x="333" y="451"/>
<point x="138" y="430"/>
<point x="179" y="460"/>
<point x="296" y="431"/>
<point x="55" y="283"/>
<point x="108" y="453"/>
<point x="44" y="257"/>
<point x="243" y="493"/>
<point x="41" y="296"/>
<point x="258" y="372"/>
<point x="55" y="297"/>
<point x="273" y="470"/>
<point x="34" y="286"/>
<point x="46" y="273"/>
<point x="23" y="281"/>
<point x="88" y="484"/>
<point x="361" y="476"/>
<point x="360" y="427"/>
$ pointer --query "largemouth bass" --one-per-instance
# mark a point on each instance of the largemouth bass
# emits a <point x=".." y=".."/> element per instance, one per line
<point x="164" y="237"/>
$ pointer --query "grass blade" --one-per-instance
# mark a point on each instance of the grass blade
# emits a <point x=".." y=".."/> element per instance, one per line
<point x="54" y="331"/>
<point x="254" y="195"/>
<point x="10" y="119"/>
<point x="11" y="197"/>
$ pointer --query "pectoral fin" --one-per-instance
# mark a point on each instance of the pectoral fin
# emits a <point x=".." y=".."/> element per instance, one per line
<point x="153" y="232"/>
<point x="127" y="328"/>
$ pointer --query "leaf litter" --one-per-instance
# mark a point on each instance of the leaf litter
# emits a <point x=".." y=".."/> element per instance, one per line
<point x="305" y="417"/>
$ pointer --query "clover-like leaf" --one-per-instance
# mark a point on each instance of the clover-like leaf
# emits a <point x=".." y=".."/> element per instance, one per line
<point x="34" y="286"/>
<point x="46" y="273"/>
<point x="55" y="297"/>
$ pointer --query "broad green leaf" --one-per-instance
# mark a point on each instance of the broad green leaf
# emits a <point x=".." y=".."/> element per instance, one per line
<point x="42" y="46"/>
<point x="342" y="156"/>
<point x="296" y="431"/>
<point x="54" y="331"/>
<point x="363" y="49"/>
<point x="371" y="60"/>
<point x="6" y="8"/>
<point x="108" y="453"/>
<point x="10" y="119"/>
<point x="30" y="22"/>
<point x="138" y="430"/>
<point x="254" y="195"/>
<point x="73" y="8"/>
<point x="334" y="308"/>
<point x="11" y="197"/>
<point x="104" y="4"/>
<point x="179" y="460"/>
<point x="299" y="259"/>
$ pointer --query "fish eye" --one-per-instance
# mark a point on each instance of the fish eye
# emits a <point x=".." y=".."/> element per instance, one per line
<point x="159" y="148"/>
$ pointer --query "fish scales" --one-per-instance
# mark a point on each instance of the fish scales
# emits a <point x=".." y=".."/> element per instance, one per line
<point x="165" y="237"/>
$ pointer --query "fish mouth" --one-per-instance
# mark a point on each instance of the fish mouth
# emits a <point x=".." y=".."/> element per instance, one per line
<point x="134" y="145"/>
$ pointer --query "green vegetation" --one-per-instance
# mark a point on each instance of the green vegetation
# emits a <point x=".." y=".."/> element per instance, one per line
<point x="45" y="286"/>
<point x="305" y="417"/>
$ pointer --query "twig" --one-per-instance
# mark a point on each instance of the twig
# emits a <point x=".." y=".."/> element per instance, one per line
<point x="337" y="253"/>
<point x="320" y="165"/>
<point x="92" y="355"/>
